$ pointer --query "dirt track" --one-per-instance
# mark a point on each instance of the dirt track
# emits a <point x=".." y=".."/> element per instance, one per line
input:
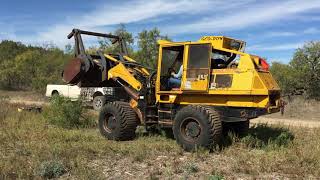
<point x="287" y="122"/>
<point x="27" y="102"/>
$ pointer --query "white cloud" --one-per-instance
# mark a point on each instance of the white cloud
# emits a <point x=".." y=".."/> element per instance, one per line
<point x="277" y="47"/>
<point x="252" y="15"/>
<point x="311" y="30"/>
<point x="130" y="12"/>
<point x="279" y="34"/>
<point x="211" y="16"/>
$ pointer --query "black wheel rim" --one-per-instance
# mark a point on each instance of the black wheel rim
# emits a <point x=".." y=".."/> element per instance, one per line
<point x="109" y="123"/>
<point x="190" y="129"/>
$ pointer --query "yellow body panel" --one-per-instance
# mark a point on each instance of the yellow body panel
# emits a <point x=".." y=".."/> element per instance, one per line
<point x="247" y="85"/>
<point x="120" y="71"/>
<point x="146" y="72"/>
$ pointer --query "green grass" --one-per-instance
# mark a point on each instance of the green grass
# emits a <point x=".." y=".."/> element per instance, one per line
<point x="31" y="148"/>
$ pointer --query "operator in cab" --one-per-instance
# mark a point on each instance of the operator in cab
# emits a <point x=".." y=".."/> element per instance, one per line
<point x="175" y="79"/>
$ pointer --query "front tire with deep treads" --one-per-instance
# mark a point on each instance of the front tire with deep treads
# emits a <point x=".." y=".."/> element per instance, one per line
<point x="197" y="126"/>
<point x="118" y="121"/>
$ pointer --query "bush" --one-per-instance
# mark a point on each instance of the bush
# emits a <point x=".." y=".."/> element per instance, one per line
<point x="191" y="168"/>
<point x="69" y="114"/>
<point x="51" y="169"/>
<point x="263" y="136"/>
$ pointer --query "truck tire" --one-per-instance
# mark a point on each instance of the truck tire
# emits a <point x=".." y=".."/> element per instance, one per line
<point x="98" y="102"/>
<point x="118" y="121"/>
<point x="197" y="126"/>
<point x="55" y="93"/>
<point x="240" y="128"/>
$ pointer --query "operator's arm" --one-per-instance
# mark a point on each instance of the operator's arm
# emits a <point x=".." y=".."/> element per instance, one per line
<point x="179" y="74"/>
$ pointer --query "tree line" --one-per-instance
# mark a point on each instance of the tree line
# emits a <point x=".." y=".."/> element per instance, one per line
<point x="27" y="67"/>
<point x="301" y="76"/>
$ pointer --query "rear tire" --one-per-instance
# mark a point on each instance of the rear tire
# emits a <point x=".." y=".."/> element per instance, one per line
<point x="118" y="121"/>
<point x="98" y="102"/>
<point x="197" y="126"/>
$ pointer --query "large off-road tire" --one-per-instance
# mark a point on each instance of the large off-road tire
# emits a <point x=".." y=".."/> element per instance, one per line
<point x="118" y="121"/>
<point x="98" y="102"/>
<point x="197" y="126"/>
<point x="239" y="129"/>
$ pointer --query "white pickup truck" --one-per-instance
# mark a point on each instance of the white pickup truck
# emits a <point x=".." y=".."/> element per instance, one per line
<point x="96" y="95"/>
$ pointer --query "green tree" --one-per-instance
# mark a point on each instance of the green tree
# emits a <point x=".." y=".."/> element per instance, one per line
<point x="30" y="67"/>
<point x="306" y="67"/>
<point x="147" y="53"/>
<point x="10" y="49"/>
<point x="283" y="73"/>
<point x="49" y="69"/>
<point x="107" y="46"/>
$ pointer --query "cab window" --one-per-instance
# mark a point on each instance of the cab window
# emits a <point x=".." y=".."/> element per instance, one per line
<point x="172" y="58"/>
<point x="198" y="61"/>
<point x="221" y="59"/>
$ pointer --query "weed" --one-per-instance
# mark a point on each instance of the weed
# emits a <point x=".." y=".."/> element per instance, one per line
<point x="139" y="156"/>
<point x="69" y="114"/>
<point x="51" y="169"/>
<point x="191" y="168"/>
<point x="262" y="136"/>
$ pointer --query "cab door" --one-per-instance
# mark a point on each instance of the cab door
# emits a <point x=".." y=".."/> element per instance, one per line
<point x="197" y="67"/>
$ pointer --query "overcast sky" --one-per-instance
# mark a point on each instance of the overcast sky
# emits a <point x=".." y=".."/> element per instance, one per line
<point x="272" y="29"/>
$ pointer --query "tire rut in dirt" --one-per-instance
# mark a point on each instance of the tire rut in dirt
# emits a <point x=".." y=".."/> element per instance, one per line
<point x="124" y="121"/>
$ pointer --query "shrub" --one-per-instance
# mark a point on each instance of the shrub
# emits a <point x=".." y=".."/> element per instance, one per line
<point x="51" y="169"/>
<point x="65" y="113"/>
<point x="283" y="139"/>
<point x="262" y="136"/>
<point x="191" y="168"/>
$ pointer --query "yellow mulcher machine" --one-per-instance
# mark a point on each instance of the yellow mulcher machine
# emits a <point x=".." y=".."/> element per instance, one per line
<point x="220" y="89"/>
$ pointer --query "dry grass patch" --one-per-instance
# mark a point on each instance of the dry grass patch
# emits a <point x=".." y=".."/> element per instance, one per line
<point x="301" y="109"/>
<point x="32" y="148"/>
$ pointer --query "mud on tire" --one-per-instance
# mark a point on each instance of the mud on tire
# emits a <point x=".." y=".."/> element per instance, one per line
<point x="197" y="126"/>
<point x="118" y="121"/>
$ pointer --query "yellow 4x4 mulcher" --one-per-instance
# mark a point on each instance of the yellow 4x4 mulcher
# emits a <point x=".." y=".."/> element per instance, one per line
<point x="219" y="88"/>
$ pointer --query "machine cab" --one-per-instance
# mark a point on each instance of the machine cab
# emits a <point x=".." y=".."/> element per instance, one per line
<point x="185" y="65"/>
